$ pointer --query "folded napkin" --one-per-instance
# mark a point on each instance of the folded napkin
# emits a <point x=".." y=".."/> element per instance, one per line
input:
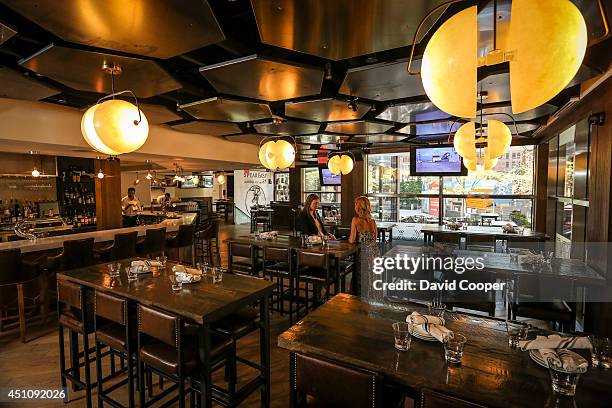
<point x="268" y="235"/>
<point x="566" y="359"/>
<point x="184" y="269"/>
<point x="436" y="330"/>
<point x="154" y="263"/>
<point x="417" y="318"/>
<point x="139" y="263"/>
<point x="554" y="341"/>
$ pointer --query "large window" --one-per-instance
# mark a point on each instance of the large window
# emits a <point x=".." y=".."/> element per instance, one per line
<point x="502" y="194"/>
<point x="312" y="184"/>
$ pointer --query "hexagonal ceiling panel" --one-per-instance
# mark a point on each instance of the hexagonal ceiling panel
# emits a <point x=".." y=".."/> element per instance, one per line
<point x="384" y="81"/>
<point x="262" y="78"/>
<point x="157" y="114"/>
<point x="412" y="112"/>
<point x="245" y="138"/>
<point x="84" y="72"/>
<point x="155" y="28"/>
<point x="377" y="138"/>
<point x="322" y="27"/>
<point x="358" y="127"/>
<point x="208" y="128"/>
<point x="321" y="139"/>
<point x="326" y="110"/>
<point x="433" y="128"/>
<point x="287" y="128"/>
<point x="229" y="110"/>
<point x="14" y="84"/>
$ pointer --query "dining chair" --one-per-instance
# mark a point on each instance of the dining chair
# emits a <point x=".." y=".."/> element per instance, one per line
<point x="115" y="327"/>
<point x="480" y="242"/>
<point x="278" y="266"/>
<point x="169" y="348"/>
<point x="124" y="246"/>
<point x="317" y="382"/>
<point x="154" y="242"/>
<point x="313" y="269"/>
<point x="182" y="241"/>
<point x="242" y="259"/>
<point x="468" y="299"/>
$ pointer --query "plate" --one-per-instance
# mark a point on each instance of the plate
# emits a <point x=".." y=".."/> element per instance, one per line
<point x="537" y="357"/>
<point x="422" y="335"/>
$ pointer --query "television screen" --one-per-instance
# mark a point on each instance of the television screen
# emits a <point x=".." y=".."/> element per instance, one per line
<point x="329" y="179"/>
<point x="207" y="181"/>
<point x="436" y="161"/>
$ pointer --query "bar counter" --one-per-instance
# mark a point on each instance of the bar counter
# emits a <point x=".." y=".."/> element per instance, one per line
<point x="56" y="242"/>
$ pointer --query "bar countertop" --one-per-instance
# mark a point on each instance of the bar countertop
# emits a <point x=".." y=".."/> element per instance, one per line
<point x="47" y="243"/>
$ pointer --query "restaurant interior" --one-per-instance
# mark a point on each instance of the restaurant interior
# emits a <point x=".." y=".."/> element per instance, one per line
<point x="289" y="203"/>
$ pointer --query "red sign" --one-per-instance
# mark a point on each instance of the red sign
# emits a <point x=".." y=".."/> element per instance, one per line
<point x="434" y="206"/>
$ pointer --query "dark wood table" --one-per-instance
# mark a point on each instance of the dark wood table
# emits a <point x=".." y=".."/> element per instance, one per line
<point x="430" y="230"/>
<point x="350" y="331"/>
<point x="385" y="228"/>
<point x="202" y="303"/>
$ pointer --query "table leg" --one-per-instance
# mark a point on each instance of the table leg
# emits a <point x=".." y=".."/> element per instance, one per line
<point x="264" y="349"/>
<point x="205" y="374"/>
<point x="391" y="235"/>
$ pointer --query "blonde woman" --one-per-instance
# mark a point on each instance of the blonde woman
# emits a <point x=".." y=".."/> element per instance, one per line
<point x="364" y="231"/>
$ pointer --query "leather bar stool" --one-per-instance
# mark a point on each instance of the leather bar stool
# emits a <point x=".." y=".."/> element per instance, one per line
<point x="124" y="246"/>
<point x="75" y="313"/>
<point x="207" y="244"/>
<point x="313" y="269"/>
<point x="472" y="300"/>
<point x="184" y="239"/>
<point x="277" y="265"/>
<point x="242" y="259"/>
<point x="115" y="327"/>
<point x="317" y="382"/>
<point x="169" y="348"/>
<point x="154" y="243"/>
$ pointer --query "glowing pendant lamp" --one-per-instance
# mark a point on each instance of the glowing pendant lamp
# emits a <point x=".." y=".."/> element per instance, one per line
<point x="115" y="126"/>
<point x="341" y="163"/>
<point x="499" y="138"/>
<point x="221" y="178"/>
<point x="547" y="42"/>
<point x="450" y="62"/>
<point x="465" y="141"/>
<point x="276" y="154"/>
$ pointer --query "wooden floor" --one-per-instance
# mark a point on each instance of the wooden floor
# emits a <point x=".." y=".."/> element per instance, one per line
<point x="36" y="363"/>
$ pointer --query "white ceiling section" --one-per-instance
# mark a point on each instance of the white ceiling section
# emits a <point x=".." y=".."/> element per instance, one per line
<point x="53" y="129"/>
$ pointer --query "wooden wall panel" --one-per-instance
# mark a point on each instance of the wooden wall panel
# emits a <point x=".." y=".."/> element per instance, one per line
<point x="541" y="187"/>
<point x="352" y="187"/>
<point x="108" y="195"/>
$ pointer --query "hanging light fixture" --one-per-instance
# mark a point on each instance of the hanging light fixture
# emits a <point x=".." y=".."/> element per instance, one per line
<point x="114" y="126"/>
<point x="35" y="172"/>
<point x="149" y="176"/>
<point x="100" y="174"/>
<point x="340" y="162"/>
<point x="276" y="153"/>
<point x="220" y="177"/>
<point x="137" y="181"/>
<point x="546" y="44"/>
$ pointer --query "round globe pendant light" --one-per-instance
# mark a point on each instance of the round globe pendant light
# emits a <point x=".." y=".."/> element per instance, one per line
<point x="340" y="163"/>
<point x="220" y="177"/>
<point x="276" y="154"/>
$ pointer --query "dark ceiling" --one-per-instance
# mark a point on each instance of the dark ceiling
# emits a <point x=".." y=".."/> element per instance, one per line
<point x="323" y="71"/>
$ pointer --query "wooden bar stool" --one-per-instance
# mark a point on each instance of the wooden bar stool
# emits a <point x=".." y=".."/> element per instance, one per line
<point x="181" y="241"/>
<point x="75" y="313"/>
<point x="124" y="246"/>
<point x="115" y="327"/>
<point x="154" y="243"/>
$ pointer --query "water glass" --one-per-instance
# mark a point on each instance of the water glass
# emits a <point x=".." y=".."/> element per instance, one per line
<point x="163" y="259"/>
<point x="205" y="269"/>
<point x="177" y="285"/>
<point x="132" y="273"/>
<point x="601" y="354"/>
<point x="516" y="332"/>
<point x="453" y="348"/>
<point x="401" y="331"/>
<point x="217" y="274"/>
<point x="564" y="381"/>
<point x="114" y="269"/>
<point x="436" y="309"/>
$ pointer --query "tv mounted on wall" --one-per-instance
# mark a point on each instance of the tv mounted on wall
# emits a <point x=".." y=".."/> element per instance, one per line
<point x="329" y="179"/>
<point x="439" y="160"/>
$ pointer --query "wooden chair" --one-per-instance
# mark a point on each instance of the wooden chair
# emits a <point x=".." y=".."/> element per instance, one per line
<point x="480" y="242"/>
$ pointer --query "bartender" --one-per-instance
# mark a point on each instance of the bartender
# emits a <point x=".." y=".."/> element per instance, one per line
<point x="166" y="202"/>
<point x="130" y="206"/>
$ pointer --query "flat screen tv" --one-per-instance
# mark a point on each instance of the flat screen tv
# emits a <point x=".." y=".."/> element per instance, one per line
<point x="207" y="181"/>
<point x="441" y="160"/>
<point x="329" y="179"/>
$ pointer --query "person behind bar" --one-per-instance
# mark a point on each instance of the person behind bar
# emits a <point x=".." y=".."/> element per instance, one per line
<point x="130" y="206"/>
<point x="310" y="221"/>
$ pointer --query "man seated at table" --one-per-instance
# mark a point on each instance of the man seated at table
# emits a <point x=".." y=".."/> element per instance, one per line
<point x="309" y="220"/>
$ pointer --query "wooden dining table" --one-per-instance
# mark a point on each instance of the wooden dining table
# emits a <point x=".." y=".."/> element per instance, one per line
<point x="202" y="303"/>
<point x="349" y="331"/>
<point x="430" y="230"/>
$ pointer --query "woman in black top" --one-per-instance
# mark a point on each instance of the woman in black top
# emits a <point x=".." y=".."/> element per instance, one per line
<point x="310" y="222"/>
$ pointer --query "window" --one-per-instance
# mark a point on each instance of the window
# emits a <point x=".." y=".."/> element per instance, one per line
<point x="312" y="184"/>
<point x="506" y="191"/>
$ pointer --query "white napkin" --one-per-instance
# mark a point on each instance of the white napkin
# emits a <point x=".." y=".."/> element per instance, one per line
<point x="438" y="331"/>
<point x="139" y="263"/>
<point x="554" y="341"/>
<point x="417" y="318"/>
<point x="566" y="359"/>
<point x="154" y="263"/>
<point x="268" y="235"/>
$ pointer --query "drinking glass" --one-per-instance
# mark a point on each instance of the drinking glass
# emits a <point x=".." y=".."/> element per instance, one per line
<point x="436" y="308"/>
<point x="177" y="285"/>
<point x="401" y="331"/>
<point x="113" y="271"/>
<point x="205" y="269"/>
<point x="132" y="273"/>
<point x="516" y="332"/>
<point x="163" y="260"/>
<point x="601" y="354"/>
<point x="217" y="274"/>
<point x="564" y="381"/>
<point x="453" y="348"/>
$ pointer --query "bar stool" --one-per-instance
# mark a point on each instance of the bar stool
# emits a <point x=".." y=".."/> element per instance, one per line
<point x="154" y="242"/>
<point x="184" y="239"/>
<point x="75" y="313"/>
<point x="124" y="246"/>
<point x="115" y="327"/>
<point x="169" y="348"/>
<point x="313" y="269"/>
<point x="277" y="265"/>
<point x="242" y="259"/>
<point x="316" y="382"/>
<point x="207" y="244"/>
